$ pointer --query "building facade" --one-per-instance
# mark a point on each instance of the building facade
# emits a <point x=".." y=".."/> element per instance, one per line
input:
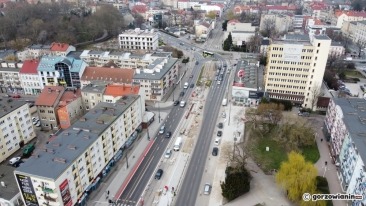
<point x="10" y="77"/>
<point x="70" y="108"/>
<point x="29" y="79"/>
<point x="115" y="75"/>
<point x="16" y="127"/>
<point x="79" y="157"/>
<point x="92" y="94"/>
<point x="158" y="79"/>
<point x="344" y="124"/>
<point x="34" y="51"/>
<point x="139" y="40"/>
<point x="295" y="68"/>
<point x="61" y="71"/>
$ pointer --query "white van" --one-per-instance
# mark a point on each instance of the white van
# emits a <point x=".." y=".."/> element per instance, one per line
<point x="224" y="102"/>
<point x="177" y="144"/>
<point x="182" y="103"/>
<point x="186" y="85"/>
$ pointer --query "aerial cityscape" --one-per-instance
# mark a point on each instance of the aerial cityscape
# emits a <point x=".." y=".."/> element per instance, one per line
<point x="183" y="103"/>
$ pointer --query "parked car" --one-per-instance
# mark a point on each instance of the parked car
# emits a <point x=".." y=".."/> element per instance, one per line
<point x="220" y="125"/>
<point x="176" y="103"/>
<point x="215" y="151"/>
<point x="192" y="85"/>
<point x="14" y="160"/>
<point x="207" y="189"/>
<point x="158" y="174"/>
<point x="168" y="153"/>
<point x="162" y="130"/>
<point x="38" y="124"/>
<point x="219" y="133"/>
<point x="181" y="94"/>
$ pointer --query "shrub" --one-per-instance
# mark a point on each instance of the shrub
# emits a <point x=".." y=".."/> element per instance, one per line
<point x="237" y="183"/>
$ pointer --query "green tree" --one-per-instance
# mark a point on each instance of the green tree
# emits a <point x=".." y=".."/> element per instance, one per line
<point x="237" y="183"/>
<point x="211" y="14"/>
<point x="296" y="176"/>
<point x="224" y="25"/>
<point x="228" y="42"/>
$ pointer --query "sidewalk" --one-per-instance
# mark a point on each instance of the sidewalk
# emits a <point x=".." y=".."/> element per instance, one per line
<point x="329" y="171"/>
<point x="119" y="173"/>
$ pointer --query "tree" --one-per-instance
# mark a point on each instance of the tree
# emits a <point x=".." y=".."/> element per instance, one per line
<point x="228" y="42"/>
<point x="237" y="183"/>
<point x="358" y="5"/>
<point x="235" y="155"/>
<point x="296" y="176"/>
<point x="139" y="20"/>
<point x="254" y="43"/>
<point x="211" y="14"/>
<point x="315" y="93"/>
<point x="269" y="28"/>
<point x="230" y="15"/>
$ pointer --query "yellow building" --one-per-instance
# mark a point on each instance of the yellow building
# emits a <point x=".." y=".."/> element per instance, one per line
<point x="295" y="68"/>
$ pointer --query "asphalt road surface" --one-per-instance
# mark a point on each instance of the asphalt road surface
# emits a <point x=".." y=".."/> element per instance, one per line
<point x="136" y="186"/>
<point x="188" y="191"/>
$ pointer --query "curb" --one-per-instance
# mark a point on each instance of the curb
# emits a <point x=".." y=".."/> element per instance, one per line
<point x="133" y="171"/>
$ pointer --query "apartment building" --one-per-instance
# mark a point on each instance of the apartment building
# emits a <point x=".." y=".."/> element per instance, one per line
<point x="139" y="40"/>
<point x="203" y="29"/>
<point x="337" y="50"/>
<point x="77" y="158"/>
<point x="114" y="92"/>
<point x="282" y="22"/>
<point x="34" y="51"/>
<point x="345" y="127"/>
<point x="29" y="79"/>
<point x="61" y="49"/>
<point x="61" y="71"/>
<point x="296" y="67"/>
<point x="121" y="59"/>
<point x="92" y="94"/>
<point x="16" y="127"/>
<point x="158" y="79"/>
<point x="10" y="78"/>
<point x="110" y="75"/>
<point x="339" y="17"/>
<point x="70" y="108"/>
<point x="359" y="33"/>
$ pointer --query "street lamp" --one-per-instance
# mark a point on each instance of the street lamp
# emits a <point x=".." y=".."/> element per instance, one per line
<point x="228" y="123"/>
<point x="234" y="146"/>
<point x="159" y="111"/>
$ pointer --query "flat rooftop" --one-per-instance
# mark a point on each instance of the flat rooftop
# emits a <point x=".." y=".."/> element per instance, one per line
<point x="156" y="75"/>
<point x="7" y="105"/>
<point x="253" y="75"/>
<point x="63" y="149"/>
<point x="354" y="117"/>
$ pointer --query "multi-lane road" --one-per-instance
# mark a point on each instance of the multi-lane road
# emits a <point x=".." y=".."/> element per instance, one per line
<point x="137" y="184"/>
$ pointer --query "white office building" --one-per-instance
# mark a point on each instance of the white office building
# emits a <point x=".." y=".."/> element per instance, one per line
<point x="139" y="40"/>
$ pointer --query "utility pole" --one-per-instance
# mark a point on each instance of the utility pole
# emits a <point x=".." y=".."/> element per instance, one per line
<point x="126" y="158"/>
<point x="159" y="111"/>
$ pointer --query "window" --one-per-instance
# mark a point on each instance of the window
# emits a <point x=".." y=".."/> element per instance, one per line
<point x="318" y="46"/>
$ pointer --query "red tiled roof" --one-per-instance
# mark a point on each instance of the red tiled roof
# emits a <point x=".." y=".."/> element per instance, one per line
<point x="116" y="90"/>
<point x="350" y="13"/>
<point x="50" y="96"/>
<point x="277" y="7"/>
<point x="29" y="67"/>
<point x="69" y="96"/>
<point x="116" y="75"/>
<point x="323" y="102"/>
<point x="220" y="5"/>
<point x="141" y="9"/>
<point x="233" y="21"/>
<point x="59" y="46"/>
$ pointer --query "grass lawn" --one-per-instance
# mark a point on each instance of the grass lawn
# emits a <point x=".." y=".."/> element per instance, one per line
<point x="311" y="153"/>
<point x="276" y="155"/>
<point x="271" y="159"/>
<point x="353" y="73"/>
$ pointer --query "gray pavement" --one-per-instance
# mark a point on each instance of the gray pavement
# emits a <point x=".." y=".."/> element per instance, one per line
<point x="120" y="172"/>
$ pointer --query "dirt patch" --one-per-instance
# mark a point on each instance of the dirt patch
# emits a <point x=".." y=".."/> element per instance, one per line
<point x="209" y="70"/>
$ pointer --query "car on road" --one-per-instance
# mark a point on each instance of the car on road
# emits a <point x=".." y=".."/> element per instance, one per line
<point x="220" y="125"/>
<point x="176" y="102"/>
<point x="215" y="151"/>
<point x="186" y="85"/>
<point x="162" y="130"/>
<point x="14" y="160"/>
<point x="168" y="134"/>
<point x="168" y="153"/>
<point x="216" y="78"/>
<point x="191" y="76"/>
<point x="181" y="94"/>
<point x="219" y="133"/>
<point x="207" y="189"/>
<point x="218" y="82"/>
<point x="192" y="85"/>
<point x="197" y="63"/>
<point x="182" y="103"/>
<point x="16" y="96"/>
<point x="158" y="174"/>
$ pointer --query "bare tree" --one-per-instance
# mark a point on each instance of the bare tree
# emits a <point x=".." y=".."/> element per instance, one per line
<point x="315" y="93"/>
<point x="269" y="28"/>
<point x="254" y="43"/>
<point x="235" y="154"/>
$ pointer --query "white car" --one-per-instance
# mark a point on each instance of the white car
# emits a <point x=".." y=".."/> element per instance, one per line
<point x="38" y="123"/>
<point x="14" y="160"/>
<point x="218" y="82"/>
<point x="168" y="153"/>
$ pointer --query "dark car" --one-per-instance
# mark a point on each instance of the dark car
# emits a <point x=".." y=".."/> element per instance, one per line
<point x="158" y="174"/>
<point x="196" y="62"/>
<point x="215" y="151"/>
<point x="192" y="85"/>
<point x="17" y="164"/>
<point x="176" y="103"/>
<point x="221" y="125"/>
<point x="219" y="133"/>
<point x="181" y="94"/>
<point x="168" y="134"/>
